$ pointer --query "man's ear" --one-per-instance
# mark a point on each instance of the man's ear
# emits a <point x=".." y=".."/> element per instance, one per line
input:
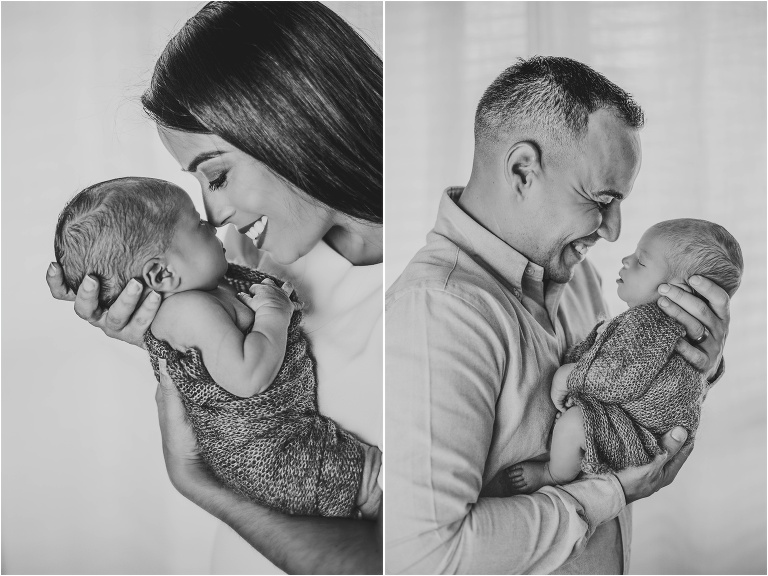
<point x="158" y="275"/>
<point x="522" y="166"/>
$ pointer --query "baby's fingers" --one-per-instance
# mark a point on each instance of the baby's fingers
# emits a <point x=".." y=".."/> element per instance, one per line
<point x="288" y="288"/>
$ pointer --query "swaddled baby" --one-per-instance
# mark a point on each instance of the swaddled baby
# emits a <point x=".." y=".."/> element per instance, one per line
<point x="625" y="386"/>
<point x="239" y="360"/>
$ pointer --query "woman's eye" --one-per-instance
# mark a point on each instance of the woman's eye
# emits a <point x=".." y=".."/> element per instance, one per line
<point x="218" y="182"/>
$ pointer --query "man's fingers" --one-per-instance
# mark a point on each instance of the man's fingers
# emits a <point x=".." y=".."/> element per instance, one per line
<point x="693" y="355"/>
<point x="120" y="313"/>
<point x="55" y="280"/>
<point x="718" y="298"/>
<point x="673" y="440"/>
<point x="678" y="454"/>
<point x="87" y="301"/>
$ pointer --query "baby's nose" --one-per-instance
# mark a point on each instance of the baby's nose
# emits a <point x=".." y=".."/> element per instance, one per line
<point x="625" y="262"/>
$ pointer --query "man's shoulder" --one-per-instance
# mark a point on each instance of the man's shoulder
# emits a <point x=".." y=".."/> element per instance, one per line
<point x="444" y="280"/>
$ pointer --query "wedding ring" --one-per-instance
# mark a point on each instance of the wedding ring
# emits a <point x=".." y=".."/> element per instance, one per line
<point x="701" y="338"/>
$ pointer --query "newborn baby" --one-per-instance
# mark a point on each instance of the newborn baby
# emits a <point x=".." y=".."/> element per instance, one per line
<point x="625" y="386"/>
<point x="240" y="362"/>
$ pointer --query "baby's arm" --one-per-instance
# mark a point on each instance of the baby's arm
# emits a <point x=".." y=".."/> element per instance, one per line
<point x="560" y="387"/>
<point x="242" y="364"/>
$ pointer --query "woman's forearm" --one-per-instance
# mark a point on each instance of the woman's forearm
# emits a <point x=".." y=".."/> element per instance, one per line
<point x="296" y="544"/>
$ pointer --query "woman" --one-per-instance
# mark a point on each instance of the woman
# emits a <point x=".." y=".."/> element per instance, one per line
<point x="276" y="109"/>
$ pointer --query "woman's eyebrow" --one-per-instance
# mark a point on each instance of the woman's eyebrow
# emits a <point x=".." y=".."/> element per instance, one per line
<point x="199" y="159"/>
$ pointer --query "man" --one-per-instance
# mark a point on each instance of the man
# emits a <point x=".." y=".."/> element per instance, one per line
<point x="481" y="317"/>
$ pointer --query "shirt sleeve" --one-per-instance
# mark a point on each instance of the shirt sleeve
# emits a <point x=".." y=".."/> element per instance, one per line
<point x="445" y="363"/>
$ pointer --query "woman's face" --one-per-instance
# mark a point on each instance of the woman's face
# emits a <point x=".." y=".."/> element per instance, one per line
<point x="240" y="190"/>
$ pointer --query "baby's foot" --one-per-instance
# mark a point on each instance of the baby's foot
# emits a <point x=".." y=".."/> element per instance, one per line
<point x="527" y="477"/>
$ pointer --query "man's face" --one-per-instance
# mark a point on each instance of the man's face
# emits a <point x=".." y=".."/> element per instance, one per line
<point x="578" y="200"/>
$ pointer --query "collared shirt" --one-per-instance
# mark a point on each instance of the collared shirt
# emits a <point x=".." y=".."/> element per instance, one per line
<point x="474" y="336"/>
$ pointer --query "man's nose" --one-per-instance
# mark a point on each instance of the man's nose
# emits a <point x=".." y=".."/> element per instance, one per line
<point x="610" y="228"/>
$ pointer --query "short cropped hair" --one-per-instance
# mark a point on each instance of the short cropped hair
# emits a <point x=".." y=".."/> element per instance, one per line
<point x="548" y="100"/>
<point x="111" y="229"/>
<point x="703" y="248"/>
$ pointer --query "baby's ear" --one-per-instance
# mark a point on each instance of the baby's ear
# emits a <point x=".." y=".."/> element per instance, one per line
<point x="158" y="276"/>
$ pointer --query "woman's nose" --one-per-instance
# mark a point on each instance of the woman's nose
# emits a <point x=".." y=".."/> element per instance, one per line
<point x="213" y="211"/>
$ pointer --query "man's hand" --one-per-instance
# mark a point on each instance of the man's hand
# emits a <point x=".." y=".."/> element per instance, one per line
<point x="642" y="481"/>
<point x="127" y="319"/>
<point x="699" y="320"/>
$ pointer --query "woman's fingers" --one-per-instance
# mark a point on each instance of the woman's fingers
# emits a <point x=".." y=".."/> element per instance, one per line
<point x="55" y="280"/>
<point x="87" y="301"/>
<point x="119" y="314"/>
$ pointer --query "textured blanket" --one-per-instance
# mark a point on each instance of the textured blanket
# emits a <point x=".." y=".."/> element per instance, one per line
<point x="274" y="448"/>
<point x="632" y="388"/>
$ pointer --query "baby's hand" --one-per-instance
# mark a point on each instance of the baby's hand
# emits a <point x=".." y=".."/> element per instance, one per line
<point x="559" y="390"/>
<point x="268" y="296"/>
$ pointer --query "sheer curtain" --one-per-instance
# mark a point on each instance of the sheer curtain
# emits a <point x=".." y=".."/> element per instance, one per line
<point x="699" y="71"/>
<point x="84" y="485"/>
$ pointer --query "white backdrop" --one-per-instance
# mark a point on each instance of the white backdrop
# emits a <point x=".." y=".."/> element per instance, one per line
<point x="84" y="487"/>
<point x="699" y="71"/>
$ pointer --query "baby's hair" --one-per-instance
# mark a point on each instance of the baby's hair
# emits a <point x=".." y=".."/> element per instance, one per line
<point x="703" y="248"/>
<point x="111" y="229"/>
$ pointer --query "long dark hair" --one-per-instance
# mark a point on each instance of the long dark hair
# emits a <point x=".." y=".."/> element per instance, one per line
<point x="289" y="83"/>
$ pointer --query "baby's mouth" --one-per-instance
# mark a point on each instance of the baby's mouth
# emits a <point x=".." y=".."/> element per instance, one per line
<point x="254" y="230"/>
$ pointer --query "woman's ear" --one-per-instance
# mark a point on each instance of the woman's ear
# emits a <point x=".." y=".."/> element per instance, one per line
<point x="522" y="166"/>
<point x="158" y="275"/>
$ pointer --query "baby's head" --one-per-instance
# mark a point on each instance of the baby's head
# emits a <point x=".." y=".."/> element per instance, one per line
<point x="673" y="251"/>
<point x="139" y="228"/>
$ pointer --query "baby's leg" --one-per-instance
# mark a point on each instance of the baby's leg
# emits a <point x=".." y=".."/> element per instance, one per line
<point x="563" y="466"/>
<point x="370" y="494"/>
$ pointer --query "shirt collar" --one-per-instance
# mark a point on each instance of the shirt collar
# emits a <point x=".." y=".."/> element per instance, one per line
<point x="506" y="264"/>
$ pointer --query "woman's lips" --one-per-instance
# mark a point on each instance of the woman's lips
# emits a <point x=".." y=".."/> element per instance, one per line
<point x="254" y="230"/>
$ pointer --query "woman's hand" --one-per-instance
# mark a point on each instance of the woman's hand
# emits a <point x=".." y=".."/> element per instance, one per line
<point x="700" y="320"/>
<point x="186" y="468"/>
<point x="642" y="481"/>
<point x="127" y="319"/>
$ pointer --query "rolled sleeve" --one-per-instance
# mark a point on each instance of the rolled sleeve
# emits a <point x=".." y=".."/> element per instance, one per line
<point x="445" y="365"/>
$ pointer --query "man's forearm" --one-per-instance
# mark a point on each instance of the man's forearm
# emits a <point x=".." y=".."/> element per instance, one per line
<point x="296" y="544"/>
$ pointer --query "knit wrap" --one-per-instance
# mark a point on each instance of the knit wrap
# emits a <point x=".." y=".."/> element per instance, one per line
<point x="633" y="387"/>
<point x="274" y="447"/>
